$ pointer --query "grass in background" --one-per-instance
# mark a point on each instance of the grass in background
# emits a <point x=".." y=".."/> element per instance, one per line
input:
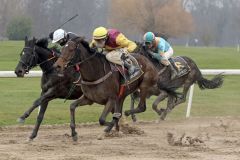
<point x="17" y="94"/>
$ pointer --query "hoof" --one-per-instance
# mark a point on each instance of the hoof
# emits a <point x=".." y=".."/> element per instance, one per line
<point x="134" y="119"/>
<point x="21" y="120"/>
<point x="162" y="118"/>
<point x="108" y="129"/>
<point x="127" y="113"/>
<point x="75" y="137"/>
<point x="29" y="140"/>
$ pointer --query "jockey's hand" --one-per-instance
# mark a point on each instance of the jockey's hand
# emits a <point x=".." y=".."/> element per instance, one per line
<point x="155" y="55"/>
<point x="99" y="50"/>
<point x="150" y="52"/>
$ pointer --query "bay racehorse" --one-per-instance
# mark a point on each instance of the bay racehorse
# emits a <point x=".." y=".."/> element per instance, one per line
<point x="101" y="84"/>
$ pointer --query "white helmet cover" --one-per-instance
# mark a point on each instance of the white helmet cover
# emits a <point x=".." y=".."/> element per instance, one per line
<point x="58" y="35"/>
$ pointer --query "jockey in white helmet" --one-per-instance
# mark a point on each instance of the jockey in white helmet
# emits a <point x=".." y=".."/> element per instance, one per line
<point x="61" y="37"/>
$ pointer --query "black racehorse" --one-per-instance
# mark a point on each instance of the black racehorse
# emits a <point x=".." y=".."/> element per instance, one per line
<point x="193" y="76"/>
<point x="36" y="53"/>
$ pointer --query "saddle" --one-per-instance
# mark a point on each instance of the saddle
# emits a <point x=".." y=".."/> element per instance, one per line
<point x="125" y="77"/>
<point x="181" y="65"/>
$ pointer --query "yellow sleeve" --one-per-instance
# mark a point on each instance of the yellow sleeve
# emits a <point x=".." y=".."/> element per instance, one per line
<point x="123" y="42"/>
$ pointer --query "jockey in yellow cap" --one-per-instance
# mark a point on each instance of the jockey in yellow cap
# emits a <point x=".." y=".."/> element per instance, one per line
<point x="116" y="47"/>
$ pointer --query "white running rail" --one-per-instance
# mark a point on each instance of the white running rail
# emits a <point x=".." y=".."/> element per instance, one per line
<point x="9" y="74"/>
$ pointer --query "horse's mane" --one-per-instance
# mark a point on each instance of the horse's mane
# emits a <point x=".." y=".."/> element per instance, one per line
<point x="43" y="42"/>
<point x="86" y="45"/>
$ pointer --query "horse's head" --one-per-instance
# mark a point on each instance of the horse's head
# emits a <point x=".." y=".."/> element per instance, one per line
<point x="69" y="53"/>
<point x="28" y="58"/>
<point x="34" y="52"/>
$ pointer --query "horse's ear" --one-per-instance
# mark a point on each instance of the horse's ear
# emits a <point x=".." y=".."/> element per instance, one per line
<point x="34" y="40"/>
<point x="26" y="39"/>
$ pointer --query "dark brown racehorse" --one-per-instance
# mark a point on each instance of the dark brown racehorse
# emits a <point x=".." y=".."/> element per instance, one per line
<point x="102" y="85"/>
<point x="193" y="76"/>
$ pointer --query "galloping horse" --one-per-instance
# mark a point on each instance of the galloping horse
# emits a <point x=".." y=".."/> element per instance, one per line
<point x="193" y="75"/>
<point x="35" y="53"/>
<point x="100" y="84"/>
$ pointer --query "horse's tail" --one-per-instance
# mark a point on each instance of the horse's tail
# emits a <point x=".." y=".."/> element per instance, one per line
<point x="203" y="83"/>
<point x="215" y="82"/>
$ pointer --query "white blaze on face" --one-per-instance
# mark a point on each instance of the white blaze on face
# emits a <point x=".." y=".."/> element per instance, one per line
<point x="23" y="53"/>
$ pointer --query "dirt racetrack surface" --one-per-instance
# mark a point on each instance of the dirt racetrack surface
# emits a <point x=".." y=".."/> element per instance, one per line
<point x="192" y="139"/>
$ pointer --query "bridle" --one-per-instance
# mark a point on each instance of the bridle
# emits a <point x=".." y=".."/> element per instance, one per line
<point x="34" y="59"/>
<point x="73" y="56"/>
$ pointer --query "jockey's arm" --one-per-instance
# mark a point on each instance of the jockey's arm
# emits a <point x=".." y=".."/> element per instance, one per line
<point x="123" y="42"/>
<point x="155" y="55"/>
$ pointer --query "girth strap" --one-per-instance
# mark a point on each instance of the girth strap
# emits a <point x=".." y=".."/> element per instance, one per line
<point x="100" y="80"/>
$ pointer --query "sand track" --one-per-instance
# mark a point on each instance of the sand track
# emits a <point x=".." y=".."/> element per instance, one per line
<point x="193" y="139"/>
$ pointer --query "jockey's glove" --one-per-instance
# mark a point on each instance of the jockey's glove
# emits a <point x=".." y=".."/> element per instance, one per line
<point x="155" y="55"/>
<point x="101" y="50"/>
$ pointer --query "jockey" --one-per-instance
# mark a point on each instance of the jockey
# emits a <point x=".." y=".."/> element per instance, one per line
<point x="161" y="50"/>
<point x="116" y="47"/>
<point x="61" y="37"/>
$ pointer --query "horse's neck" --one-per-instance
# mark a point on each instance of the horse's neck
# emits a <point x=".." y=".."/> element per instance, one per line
<point x="94" y="68"/>
<point x="43" y="56"/>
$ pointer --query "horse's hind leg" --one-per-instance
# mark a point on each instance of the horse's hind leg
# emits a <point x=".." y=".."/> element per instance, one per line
<point x="79" y="102"/>
<point x="134" y="119"/>
<point x="112" y="104"/>
<point x="160" y="98"/>
<point x="142" y="104"/>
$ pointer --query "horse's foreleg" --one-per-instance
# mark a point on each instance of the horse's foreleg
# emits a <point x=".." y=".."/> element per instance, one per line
<point x="160" y="98"/>
<point x="79" y="102"/>
<point x="170" y="106"/>
<point x="184" y="95"/>
<point x="172" y="103"/>
<point x="36" y="103"/>
<point x="39" y="120"/>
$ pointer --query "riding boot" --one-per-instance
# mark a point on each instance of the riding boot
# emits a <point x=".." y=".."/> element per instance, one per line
<point x="132" y="70"/>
